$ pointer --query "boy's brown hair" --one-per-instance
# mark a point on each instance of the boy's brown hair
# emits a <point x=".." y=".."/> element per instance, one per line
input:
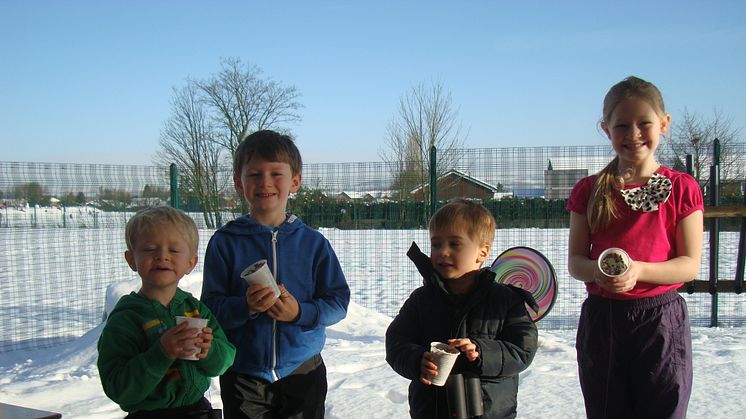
<point x="269" y="146"/>
<point x="474" y="218"/>
<point x="148" y="218"/>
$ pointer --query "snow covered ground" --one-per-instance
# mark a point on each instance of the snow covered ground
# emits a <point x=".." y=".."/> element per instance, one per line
<point x="361" y="384"/>
<point x="63" y="378"/>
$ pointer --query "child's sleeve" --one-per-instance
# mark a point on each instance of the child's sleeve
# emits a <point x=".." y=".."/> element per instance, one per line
<point x="579" y="195"/>
<point x="222" y="352"/>
<point x="403" y="353"/>
<point x="230" y="310"/>
<point x="332" y="295"/>
<point x="129" y="375"/>
<point x="514" y="347"/>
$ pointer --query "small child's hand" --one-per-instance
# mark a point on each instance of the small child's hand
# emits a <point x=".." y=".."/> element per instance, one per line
<point x="174" y="340"/>
<point x="286" y="308"/>
<point x="205" y="342"/>
<point x="466" y="346"/>
<point x="428" y="368"/>
<point x="259" y="298"/>
<point x="624" y="283"/>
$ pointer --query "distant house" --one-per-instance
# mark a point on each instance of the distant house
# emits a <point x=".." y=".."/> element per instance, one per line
<point x="559" y="183"/>
<point x="365" y="196"/>
<point x="520" y="191"/>
<point x="457" y="184"/>
<point x="146" y="202"/>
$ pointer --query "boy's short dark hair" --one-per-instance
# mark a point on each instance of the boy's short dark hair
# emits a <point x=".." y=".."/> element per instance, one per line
<point x="161" y="216"/>
<point x="270" y="146"/>
<point x="473" y="217"/>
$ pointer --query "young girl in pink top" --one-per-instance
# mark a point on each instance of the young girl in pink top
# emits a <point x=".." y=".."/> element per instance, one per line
<point x="634" y="339"/>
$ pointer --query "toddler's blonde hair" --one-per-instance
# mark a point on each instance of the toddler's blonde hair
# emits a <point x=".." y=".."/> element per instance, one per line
<point x="148" y="218"/>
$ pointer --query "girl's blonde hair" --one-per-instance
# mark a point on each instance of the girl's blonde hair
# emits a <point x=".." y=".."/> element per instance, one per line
<point x="601" y="206"/>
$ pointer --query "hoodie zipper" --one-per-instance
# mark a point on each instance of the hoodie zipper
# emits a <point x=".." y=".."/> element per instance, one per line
<point x="275" y="343"/>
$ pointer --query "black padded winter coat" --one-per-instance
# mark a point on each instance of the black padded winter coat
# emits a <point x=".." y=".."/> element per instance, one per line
<point x="493" y="316"/>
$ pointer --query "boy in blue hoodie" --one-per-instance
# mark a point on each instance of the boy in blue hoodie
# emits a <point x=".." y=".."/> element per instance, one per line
<point x="278" y="371"/>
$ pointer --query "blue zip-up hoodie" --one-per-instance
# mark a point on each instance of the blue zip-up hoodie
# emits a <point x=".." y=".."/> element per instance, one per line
<point x="304" y="262"/>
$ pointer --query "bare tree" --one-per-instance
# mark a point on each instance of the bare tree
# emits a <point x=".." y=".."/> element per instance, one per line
<point x="241" y="102"/>
<point x="209" y="118"/>
<point x="695" y="135"/>
<point x="188" y="140"/>
<point x="426" y="118"/>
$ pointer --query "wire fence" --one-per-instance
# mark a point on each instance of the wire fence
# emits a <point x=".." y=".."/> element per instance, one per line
<point x="62" y="229"/>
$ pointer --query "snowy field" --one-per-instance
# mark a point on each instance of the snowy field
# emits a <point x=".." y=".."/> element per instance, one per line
<point x="361" y="385"/>
<point x="65" y="266"/>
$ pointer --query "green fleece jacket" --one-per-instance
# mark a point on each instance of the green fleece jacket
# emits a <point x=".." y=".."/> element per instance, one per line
<point x="134" y="371"/>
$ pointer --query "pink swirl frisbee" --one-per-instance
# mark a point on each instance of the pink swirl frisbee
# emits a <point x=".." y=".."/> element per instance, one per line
<point x="524" y="267"/>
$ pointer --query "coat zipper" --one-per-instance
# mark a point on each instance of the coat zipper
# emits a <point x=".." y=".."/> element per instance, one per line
<point x="275" y="343"/>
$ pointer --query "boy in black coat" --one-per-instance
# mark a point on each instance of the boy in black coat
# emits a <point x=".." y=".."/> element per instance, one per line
<point x="461" y="304"/>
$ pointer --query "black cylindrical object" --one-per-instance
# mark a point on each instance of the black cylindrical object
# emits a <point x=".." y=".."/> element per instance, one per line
<point x="474" y="402"/>
<point x="456" y="394"/>
<point x="464" y="393"/>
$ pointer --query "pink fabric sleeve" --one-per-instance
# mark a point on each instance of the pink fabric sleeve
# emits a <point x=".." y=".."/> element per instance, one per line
<point x="578" y="200"/>
<point x="690" y="198"/>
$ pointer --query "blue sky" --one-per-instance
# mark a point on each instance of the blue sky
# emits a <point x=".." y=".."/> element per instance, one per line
<point x="91" y="81"/>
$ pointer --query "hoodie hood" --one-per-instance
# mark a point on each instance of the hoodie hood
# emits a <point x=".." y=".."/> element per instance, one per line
<point x="245" y="225"/>
<point x="135" y="302"/>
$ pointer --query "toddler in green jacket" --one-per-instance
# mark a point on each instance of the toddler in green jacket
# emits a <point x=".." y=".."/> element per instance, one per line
<point x="141" y="350"/>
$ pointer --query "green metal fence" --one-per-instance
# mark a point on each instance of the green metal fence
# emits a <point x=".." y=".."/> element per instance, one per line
<point x="61" y="228"/>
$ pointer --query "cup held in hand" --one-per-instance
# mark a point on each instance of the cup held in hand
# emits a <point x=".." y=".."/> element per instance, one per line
<point x="193" y="323"/>
<point x="614" y="262"/>
<point x="444" y="358"/>
<point x="259" y="273"/>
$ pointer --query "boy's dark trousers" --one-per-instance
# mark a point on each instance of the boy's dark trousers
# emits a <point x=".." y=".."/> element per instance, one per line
<point x="300" y="395"/>
<point x="200" y="410"/>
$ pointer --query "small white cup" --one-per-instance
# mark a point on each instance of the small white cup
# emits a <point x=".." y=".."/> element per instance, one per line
<point x="444" y="359"/>
<point x="259" y="273"/>
<point x="194" y="323"/>
<point x="614" y="262"/>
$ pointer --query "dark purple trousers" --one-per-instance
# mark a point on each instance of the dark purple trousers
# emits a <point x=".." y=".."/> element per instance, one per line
<point x="635" y="357"/>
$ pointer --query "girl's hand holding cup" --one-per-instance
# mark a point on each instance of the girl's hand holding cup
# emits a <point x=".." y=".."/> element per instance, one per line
<point x="616" y="271"/>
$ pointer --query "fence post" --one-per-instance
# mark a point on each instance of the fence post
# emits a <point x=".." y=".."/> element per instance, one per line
<point x="741" y="261"/>
<point x="174" y="172"/>
<point x="433" y="181"/>
<point x="714" y="231"/>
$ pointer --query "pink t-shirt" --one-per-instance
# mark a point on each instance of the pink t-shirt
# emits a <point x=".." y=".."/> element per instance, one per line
<point x="646" y="236"/>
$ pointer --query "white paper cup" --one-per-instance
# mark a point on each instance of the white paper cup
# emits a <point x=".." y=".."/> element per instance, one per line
<point x="614" y="262"/>
<point x="194" y="323"/>
<point x="259" y="273"/>
<point x="444" y="358"/>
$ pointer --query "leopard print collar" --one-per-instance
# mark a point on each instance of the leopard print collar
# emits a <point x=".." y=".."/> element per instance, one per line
<point x="648" y="196"/>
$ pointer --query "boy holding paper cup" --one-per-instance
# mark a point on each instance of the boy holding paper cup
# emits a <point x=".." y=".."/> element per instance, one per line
<point x="150" y="363"/>
<point x="460" y="304"/>
<point x="278" y="370"/>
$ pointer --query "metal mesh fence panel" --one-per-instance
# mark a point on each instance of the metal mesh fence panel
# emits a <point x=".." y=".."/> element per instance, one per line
<point x="59" y="255"/>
